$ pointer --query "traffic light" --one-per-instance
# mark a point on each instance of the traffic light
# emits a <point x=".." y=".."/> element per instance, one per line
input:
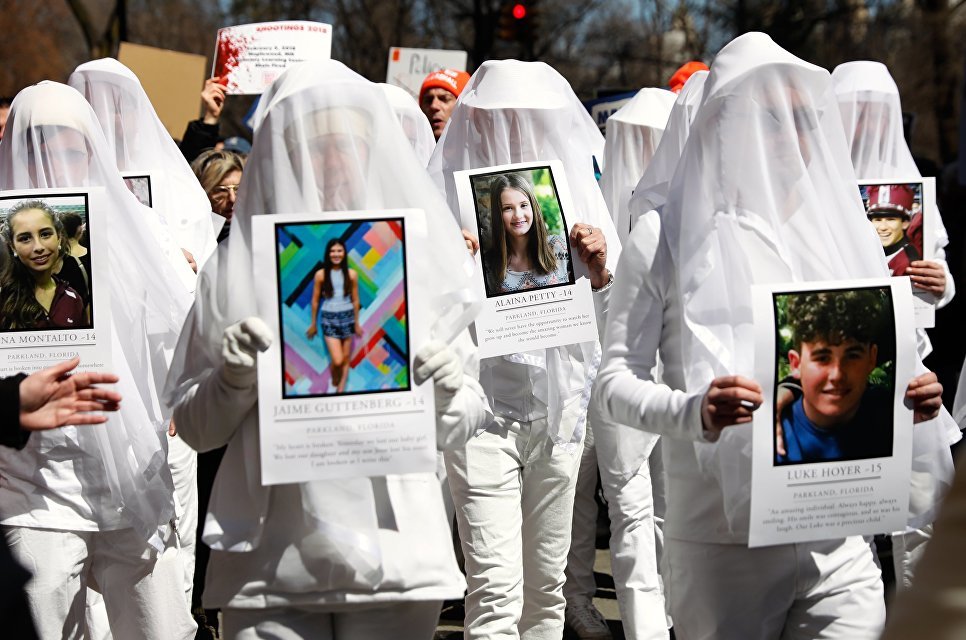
<point x="517" y="21"/>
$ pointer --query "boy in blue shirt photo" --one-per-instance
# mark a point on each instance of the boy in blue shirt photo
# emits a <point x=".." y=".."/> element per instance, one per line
<point x="836" y="415"/>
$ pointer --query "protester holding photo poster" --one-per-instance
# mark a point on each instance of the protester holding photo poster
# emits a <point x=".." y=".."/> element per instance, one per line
<point x="363" y="557"/>
<point x="745" y="206"/>
<point x="868" y="100"/>
<point x="95" y="506"/>
<point x="141" y="143"/>
<point x="514" y="484"/>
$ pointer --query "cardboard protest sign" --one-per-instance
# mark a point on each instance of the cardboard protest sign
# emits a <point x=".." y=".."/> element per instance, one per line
<point x="336" y="394"/>
<point x="172" y="80"/>
<point x="517" y="212"/>
<point x="249" y="57"/>
<point x="832" y="444"/>
<point x="408" y="68"/>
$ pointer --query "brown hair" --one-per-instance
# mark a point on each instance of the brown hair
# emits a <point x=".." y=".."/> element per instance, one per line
<point x="542" y="258"/>
<point x="213" y="165"/>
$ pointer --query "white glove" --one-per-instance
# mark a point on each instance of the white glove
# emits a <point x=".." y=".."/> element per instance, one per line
<point x="239" y="344"/>
<point x="437" y="361"/>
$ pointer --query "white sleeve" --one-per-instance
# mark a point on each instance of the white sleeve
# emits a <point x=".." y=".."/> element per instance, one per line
<point x="950" y="291"/>
<point x="625" y="391"/>
<point x="210" y="412"/>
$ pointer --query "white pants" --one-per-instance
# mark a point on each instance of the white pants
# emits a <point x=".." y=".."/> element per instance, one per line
<point x="143" y="593"/>
<point x="634" y="554"/>
<point x="907" y="548"/>
<point x="816" y="590"/>
<point x="514" y="495"/>
<point x="183" y="461"/>
<point x="397" y="621"/>
<point x="580" y="585"/>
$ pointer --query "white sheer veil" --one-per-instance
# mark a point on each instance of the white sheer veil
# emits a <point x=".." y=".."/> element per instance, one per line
<point x="53" y="140"/>
<point x="651" y="190"/>
<point x="141" y="143"/>
<point x="633" y="135"/>
<point x="511" y="112"/>
<point x="415" y="125"/>
<point x="326" y="140"/>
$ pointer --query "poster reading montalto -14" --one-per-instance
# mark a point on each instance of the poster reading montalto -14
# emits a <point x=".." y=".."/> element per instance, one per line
<point x="249" y="57"/>
<point x="832" y="444"/>
<point x="54" y="294"/>
<point x="336" y="392"/>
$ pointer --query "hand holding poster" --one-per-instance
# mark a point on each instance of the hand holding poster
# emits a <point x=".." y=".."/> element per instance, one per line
<point x="52" y="306"/>
<point x="833" y="441"/>
<point x="534" y="298"/>
<point x="249" y="57"/>
<point x="903" y="215"/>
<point x="336" y="393"/>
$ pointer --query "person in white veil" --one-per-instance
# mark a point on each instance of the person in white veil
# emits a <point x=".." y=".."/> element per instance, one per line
<point x="763" y="192"/>
<point x="353" y="558"/>
<point x="633" y="135"/>
<point x="415" y="125"/>
<point x="630" y="460"/>
<point x="513" y="485"/>
<point x="141" y="143"/>
<point x="86" y="507"/>
<point x="868" y="100"/>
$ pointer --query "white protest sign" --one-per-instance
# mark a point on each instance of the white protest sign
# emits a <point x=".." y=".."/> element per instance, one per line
<point x="409" y="67"/>
<point x="832" y="444"/>
<point x="526" y="305"/>
<point x="249" y="57"/>
<point x="358" y="412"/>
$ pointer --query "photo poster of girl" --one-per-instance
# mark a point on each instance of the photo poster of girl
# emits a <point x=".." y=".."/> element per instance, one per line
<point x="52" y="305"/>
<point x="522" y="231"/>
<point x="342" y="307"/>
<point x="139" y="184"/>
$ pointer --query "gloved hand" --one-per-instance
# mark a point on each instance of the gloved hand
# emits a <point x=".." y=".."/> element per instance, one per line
<point x="239" y="344"/>
<point x="437" y="361"/>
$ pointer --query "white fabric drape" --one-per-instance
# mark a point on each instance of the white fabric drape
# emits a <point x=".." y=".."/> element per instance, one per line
<point x="53" y="139"/>
<point x="511" y="112"/>
<point x="325" y="140"/>
<point x="415" y="125"/>
<point x="633" y="134"/>
<point x="141" y="143"/>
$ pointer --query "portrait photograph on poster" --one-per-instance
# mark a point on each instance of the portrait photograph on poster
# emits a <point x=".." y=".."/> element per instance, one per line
<point x="342" y="307"/>
<point x="45" y="284"/>
<point x="903" y="214"/>
<point x="536" y="294"/>
<point x="832" y="444"/>
<point x="522" y="231"/>
<point x="336" y="394"/>
<point x="835" y="375"/>
<point x="140" y="186"/>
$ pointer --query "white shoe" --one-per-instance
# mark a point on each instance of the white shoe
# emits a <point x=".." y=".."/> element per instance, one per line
<point x="587" y="622"/>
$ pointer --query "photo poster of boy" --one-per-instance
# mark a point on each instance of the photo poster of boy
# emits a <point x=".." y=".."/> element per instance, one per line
<point x="902" y="212"/>
<point x="536" y="294"/>
<point x="139" y="183"/>
<point x="52" y="303"/>
<point x="336" y="393"/>
<point x="832" y="445"/>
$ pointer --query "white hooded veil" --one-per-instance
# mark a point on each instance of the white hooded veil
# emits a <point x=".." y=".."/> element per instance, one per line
<point x="325" y="140"/>
<point x="764" y="192"/>
<point x="53" y="140"/>
<point x="141" y="143"/>
<point x="415" y="125"/>
<point x="868" y="100"/>
<point x="511" y="112"/>
<point x="651" y="191"/>
<point x="633" y="135"/>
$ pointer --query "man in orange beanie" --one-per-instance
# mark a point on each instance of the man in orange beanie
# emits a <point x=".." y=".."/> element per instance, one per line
<point x="676" y="83"/>
<point x="437" y="96"/>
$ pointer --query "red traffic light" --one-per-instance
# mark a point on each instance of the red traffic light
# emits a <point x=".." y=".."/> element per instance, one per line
<point x="519" y="11"/>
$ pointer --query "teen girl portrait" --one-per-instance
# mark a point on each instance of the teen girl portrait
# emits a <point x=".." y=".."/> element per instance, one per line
<point x="31" y="296"/>
<point x="336" y="285"/>
<point x="523" y="254"/>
